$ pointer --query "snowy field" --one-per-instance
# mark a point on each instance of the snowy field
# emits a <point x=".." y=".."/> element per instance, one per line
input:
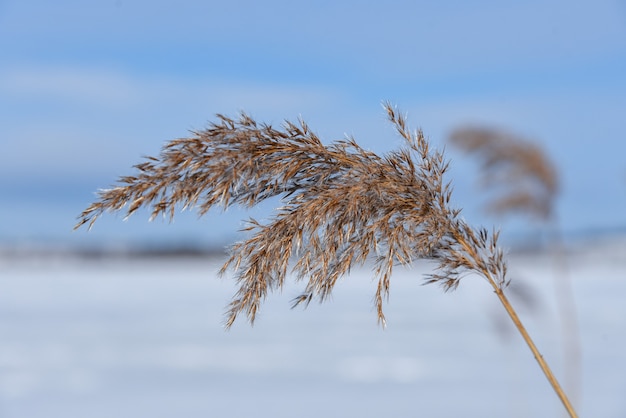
<point x="144" y="338"/>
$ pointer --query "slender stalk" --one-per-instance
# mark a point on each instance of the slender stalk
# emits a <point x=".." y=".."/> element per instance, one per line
<point x="542" y="363"/>
<point x="526" y="181"/>
<point x="499" y="290"/>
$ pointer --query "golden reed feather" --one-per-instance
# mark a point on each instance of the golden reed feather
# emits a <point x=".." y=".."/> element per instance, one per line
<point x="341" y="205"/>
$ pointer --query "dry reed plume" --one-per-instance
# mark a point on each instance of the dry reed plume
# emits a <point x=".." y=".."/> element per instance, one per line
<point x="341" y="205"/>
<point x="517" y="168"/>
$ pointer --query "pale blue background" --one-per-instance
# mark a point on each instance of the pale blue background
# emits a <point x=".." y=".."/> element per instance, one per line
<point x="87" y="87"/>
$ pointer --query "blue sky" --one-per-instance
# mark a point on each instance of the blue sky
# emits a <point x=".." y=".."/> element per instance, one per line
<point x="87" y="88"/>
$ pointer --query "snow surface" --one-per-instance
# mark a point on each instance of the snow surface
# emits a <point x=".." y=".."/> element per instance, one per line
<point x="144" y="338"/>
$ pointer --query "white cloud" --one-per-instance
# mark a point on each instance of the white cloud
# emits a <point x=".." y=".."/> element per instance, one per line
<point x="83" y="119"/>
<point x="105" y="87"/>
<point x="84" y="85"/>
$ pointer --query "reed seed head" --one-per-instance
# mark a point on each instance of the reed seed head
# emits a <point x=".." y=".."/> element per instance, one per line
<point x="515" y="167"/>
<point x="341" y="206"/>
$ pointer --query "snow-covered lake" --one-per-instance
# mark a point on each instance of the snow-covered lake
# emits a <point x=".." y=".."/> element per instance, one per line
<point x="144" y="338"/>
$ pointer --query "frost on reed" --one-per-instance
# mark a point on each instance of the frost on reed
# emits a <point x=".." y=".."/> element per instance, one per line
<point x="341" y="206"/>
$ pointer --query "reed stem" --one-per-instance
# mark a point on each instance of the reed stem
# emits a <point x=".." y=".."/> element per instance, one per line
<point x="542" y="363"/>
